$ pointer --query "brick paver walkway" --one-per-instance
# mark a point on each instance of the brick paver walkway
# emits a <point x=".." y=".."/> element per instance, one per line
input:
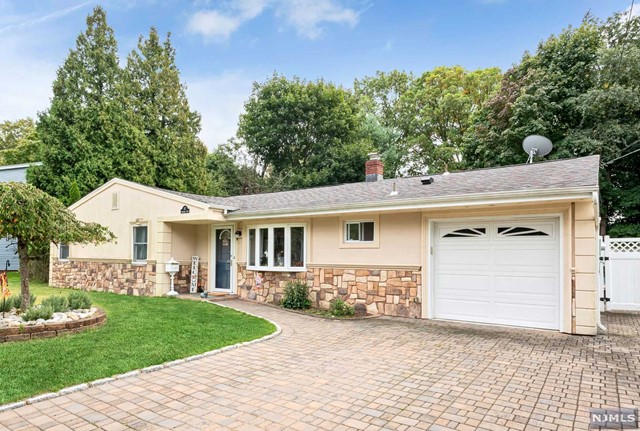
<point x="395" y="374"/>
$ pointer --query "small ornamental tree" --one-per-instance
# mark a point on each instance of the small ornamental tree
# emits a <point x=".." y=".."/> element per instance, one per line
<point x="35" y="220"/>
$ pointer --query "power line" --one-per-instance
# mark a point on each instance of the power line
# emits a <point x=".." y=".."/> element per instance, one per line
<point x="618" y="158"/>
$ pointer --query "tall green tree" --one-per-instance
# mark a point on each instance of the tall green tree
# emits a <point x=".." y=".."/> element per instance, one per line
<point x="422" y="121"/>
<point x="307" y="132"/>
<point x="35" y="220"/>
<point x="19" y="142"/>
<point x="155" y="93"/>
<point x="228" y="177"/>
<point x="380" y="97"/>
<point x="581" y="89"/>
<point x="88" y="133"/>
<point x="438" y="110"/>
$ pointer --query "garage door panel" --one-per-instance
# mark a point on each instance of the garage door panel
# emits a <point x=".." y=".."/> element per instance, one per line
<point x="510" y="277"/>
<point x="458" y="309"/>
<point x="544" y="258"/>
<point x="526" y="286"/>
<point x="531" y="315"/>
<point x="471" y="256"/>
<point x="464" y="284"/>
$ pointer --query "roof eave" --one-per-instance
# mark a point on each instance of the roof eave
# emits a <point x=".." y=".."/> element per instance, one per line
<point x="584" y="192"/>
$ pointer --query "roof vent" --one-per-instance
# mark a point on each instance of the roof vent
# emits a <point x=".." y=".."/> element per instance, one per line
<point x="426" y="180"/>
<point x="394" y="191"/>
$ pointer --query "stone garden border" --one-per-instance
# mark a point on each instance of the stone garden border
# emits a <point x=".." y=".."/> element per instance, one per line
<point x="82" y="386"/>
<point x="52" y="329"/>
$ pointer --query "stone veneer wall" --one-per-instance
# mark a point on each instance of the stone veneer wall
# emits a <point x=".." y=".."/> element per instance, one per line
<point x="183" y="278"/>
<point x="391" y="291"/>
<point x="49" y="330"/>
<point x="113" y="277"/>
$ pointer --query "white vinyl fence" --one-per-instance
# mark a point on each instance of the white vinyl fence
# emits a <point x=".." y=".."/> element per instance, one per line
<point x="620" y="273"/>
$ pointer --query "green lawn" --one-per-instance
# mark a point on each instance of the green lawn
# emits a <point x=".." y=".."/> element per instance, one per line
<point x="138" y="332"/>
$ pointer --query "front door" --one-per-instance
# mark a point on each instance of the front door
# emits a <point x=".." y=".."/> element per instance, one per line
<point x="223" y="240"/>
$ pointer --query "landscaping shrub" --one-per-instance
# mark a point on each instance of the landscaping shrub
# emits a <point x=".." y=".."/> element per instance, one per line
<point x="79" y="300"/>
<point x="58" y="303"/>
<point x="16" y="300"/>
<point x="340" y="308"/>
<point x="6" y="305"/>
<point x="296" y="296"/>
<point x="38" y="312"/>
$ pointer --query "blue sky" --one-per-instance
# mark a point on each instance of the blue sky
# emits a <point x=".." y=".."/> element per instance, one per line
<point x="225" y="45"/>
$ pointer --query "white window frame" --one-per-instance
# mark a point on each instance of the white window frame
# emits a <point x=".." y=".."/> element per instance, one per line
<point x="60" y="247"/>
<point x="287" y="248"/>
<point x="133" y="243"/>
<point x="358" y="222"/>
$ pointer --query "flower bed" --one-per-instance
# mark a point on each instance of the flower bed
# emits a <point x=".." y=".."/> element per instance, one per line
<point x="70" y="322"/>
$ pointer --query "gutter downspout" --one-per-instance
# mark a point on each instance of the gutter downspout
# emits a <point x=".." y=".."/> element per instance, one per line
<point x="573" y="267"/>
<point x="600" y="251"/>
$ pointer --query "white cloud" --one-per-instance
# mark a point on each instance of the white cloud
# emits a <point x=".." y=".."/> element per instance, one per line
<point x="213" y="25"/>
<point x="307" y="17"/>
<point x="220" y="100"/>
<point x="634" y="12"/>
<point x="26" y="74"/>
<point x="23" y="22"/>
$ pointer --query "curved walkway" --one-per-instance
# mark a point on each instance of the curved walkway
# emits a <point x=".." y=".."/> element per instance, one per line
<point x="395" y="374"/>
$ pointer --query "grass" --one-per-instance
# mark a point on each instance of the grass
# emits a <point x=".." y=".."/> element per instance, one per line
<point x="139" y="332"/>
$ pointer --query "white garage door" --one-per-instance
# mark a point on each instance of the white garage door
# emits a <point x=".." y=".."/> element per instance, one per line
<point x="502" y="272"/>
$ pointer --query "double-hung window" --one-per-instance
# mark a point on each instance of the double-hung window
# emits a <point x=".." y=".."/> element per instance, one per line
<point x="140" y="241"/>
<point x="359" y="231"/>
<point x="276" y="247"/>
<point x="63" y="250"/>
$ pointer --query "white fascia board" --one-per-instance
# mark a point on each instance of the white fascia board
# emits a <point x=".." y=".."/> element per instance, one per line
<point x="146" y="189"/>
<point x="429" y="203"/>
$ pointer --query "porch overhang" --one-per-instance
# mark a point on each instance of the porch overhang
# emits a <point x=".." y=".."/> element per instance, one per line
<point x="208" y="217"/>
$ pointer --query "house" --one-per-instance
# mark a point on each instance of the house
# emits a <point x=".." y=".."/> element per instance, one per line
<point x="512" y="245"/>
<point x="8" y="249"/>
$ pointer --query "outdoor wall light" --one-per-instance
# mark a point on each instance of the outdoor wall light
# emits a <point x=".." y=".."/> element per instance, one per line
<point x="238" y="234"/>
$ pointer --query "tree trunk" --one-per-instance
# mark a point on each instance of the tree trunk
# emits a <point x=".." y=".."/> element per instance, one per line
<point x="24" y="274"/>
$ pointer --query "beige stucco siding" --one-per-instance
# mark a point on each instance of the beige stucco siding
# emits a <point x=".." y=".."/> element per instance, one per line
<point x="586" y="266"/>
<point x="399" y="241"/>
<point x="134" y="207"/>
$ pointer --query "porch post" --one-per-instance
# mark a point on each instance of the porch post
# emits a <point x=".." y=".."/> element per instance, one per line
<point x="163" y="254"/>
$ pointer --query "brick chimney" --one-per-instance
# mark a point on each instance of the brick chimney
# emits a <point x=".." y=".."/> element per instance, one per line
<point x="373" y="168"/>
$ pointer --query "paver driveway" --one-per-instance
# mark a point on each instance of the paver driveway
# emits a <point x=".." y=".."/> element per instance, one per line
<point x="373" y="374"/>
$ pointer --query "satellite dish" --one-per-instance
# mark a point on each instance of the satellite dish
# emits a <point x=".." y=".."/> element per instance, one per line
<point x="536" y="145"/>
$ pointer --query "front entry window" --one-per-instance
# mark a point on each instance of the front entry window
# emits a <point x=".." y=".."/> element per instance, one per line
<point x="276" y="248"/>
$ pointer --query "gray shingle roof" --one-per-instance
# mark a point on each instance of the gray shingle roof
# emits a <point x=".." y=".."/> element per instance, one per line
<point x="543" y="176"/>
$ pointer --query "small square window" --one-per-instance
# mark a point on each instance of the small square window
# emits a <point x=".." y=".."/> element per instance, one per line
<point x="63" y="251"/>
<point x="140" y="238"/>
<point x="359" y="231"/>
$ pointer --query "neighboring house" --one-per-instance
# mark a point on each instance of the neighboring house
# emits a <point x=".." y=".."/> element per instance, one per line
<point x="513" y="245"/>
<point x="8" y="249"/>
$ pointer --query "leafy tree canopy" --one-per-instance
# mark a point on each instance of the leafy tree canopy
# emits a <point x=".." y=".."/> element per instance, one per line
<point x="19" y="142"/>
<point x="306" y="131"/>
<point x="581" y="89"/>
<point x="106" y="122"/>
<point x="35" y="220"/>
